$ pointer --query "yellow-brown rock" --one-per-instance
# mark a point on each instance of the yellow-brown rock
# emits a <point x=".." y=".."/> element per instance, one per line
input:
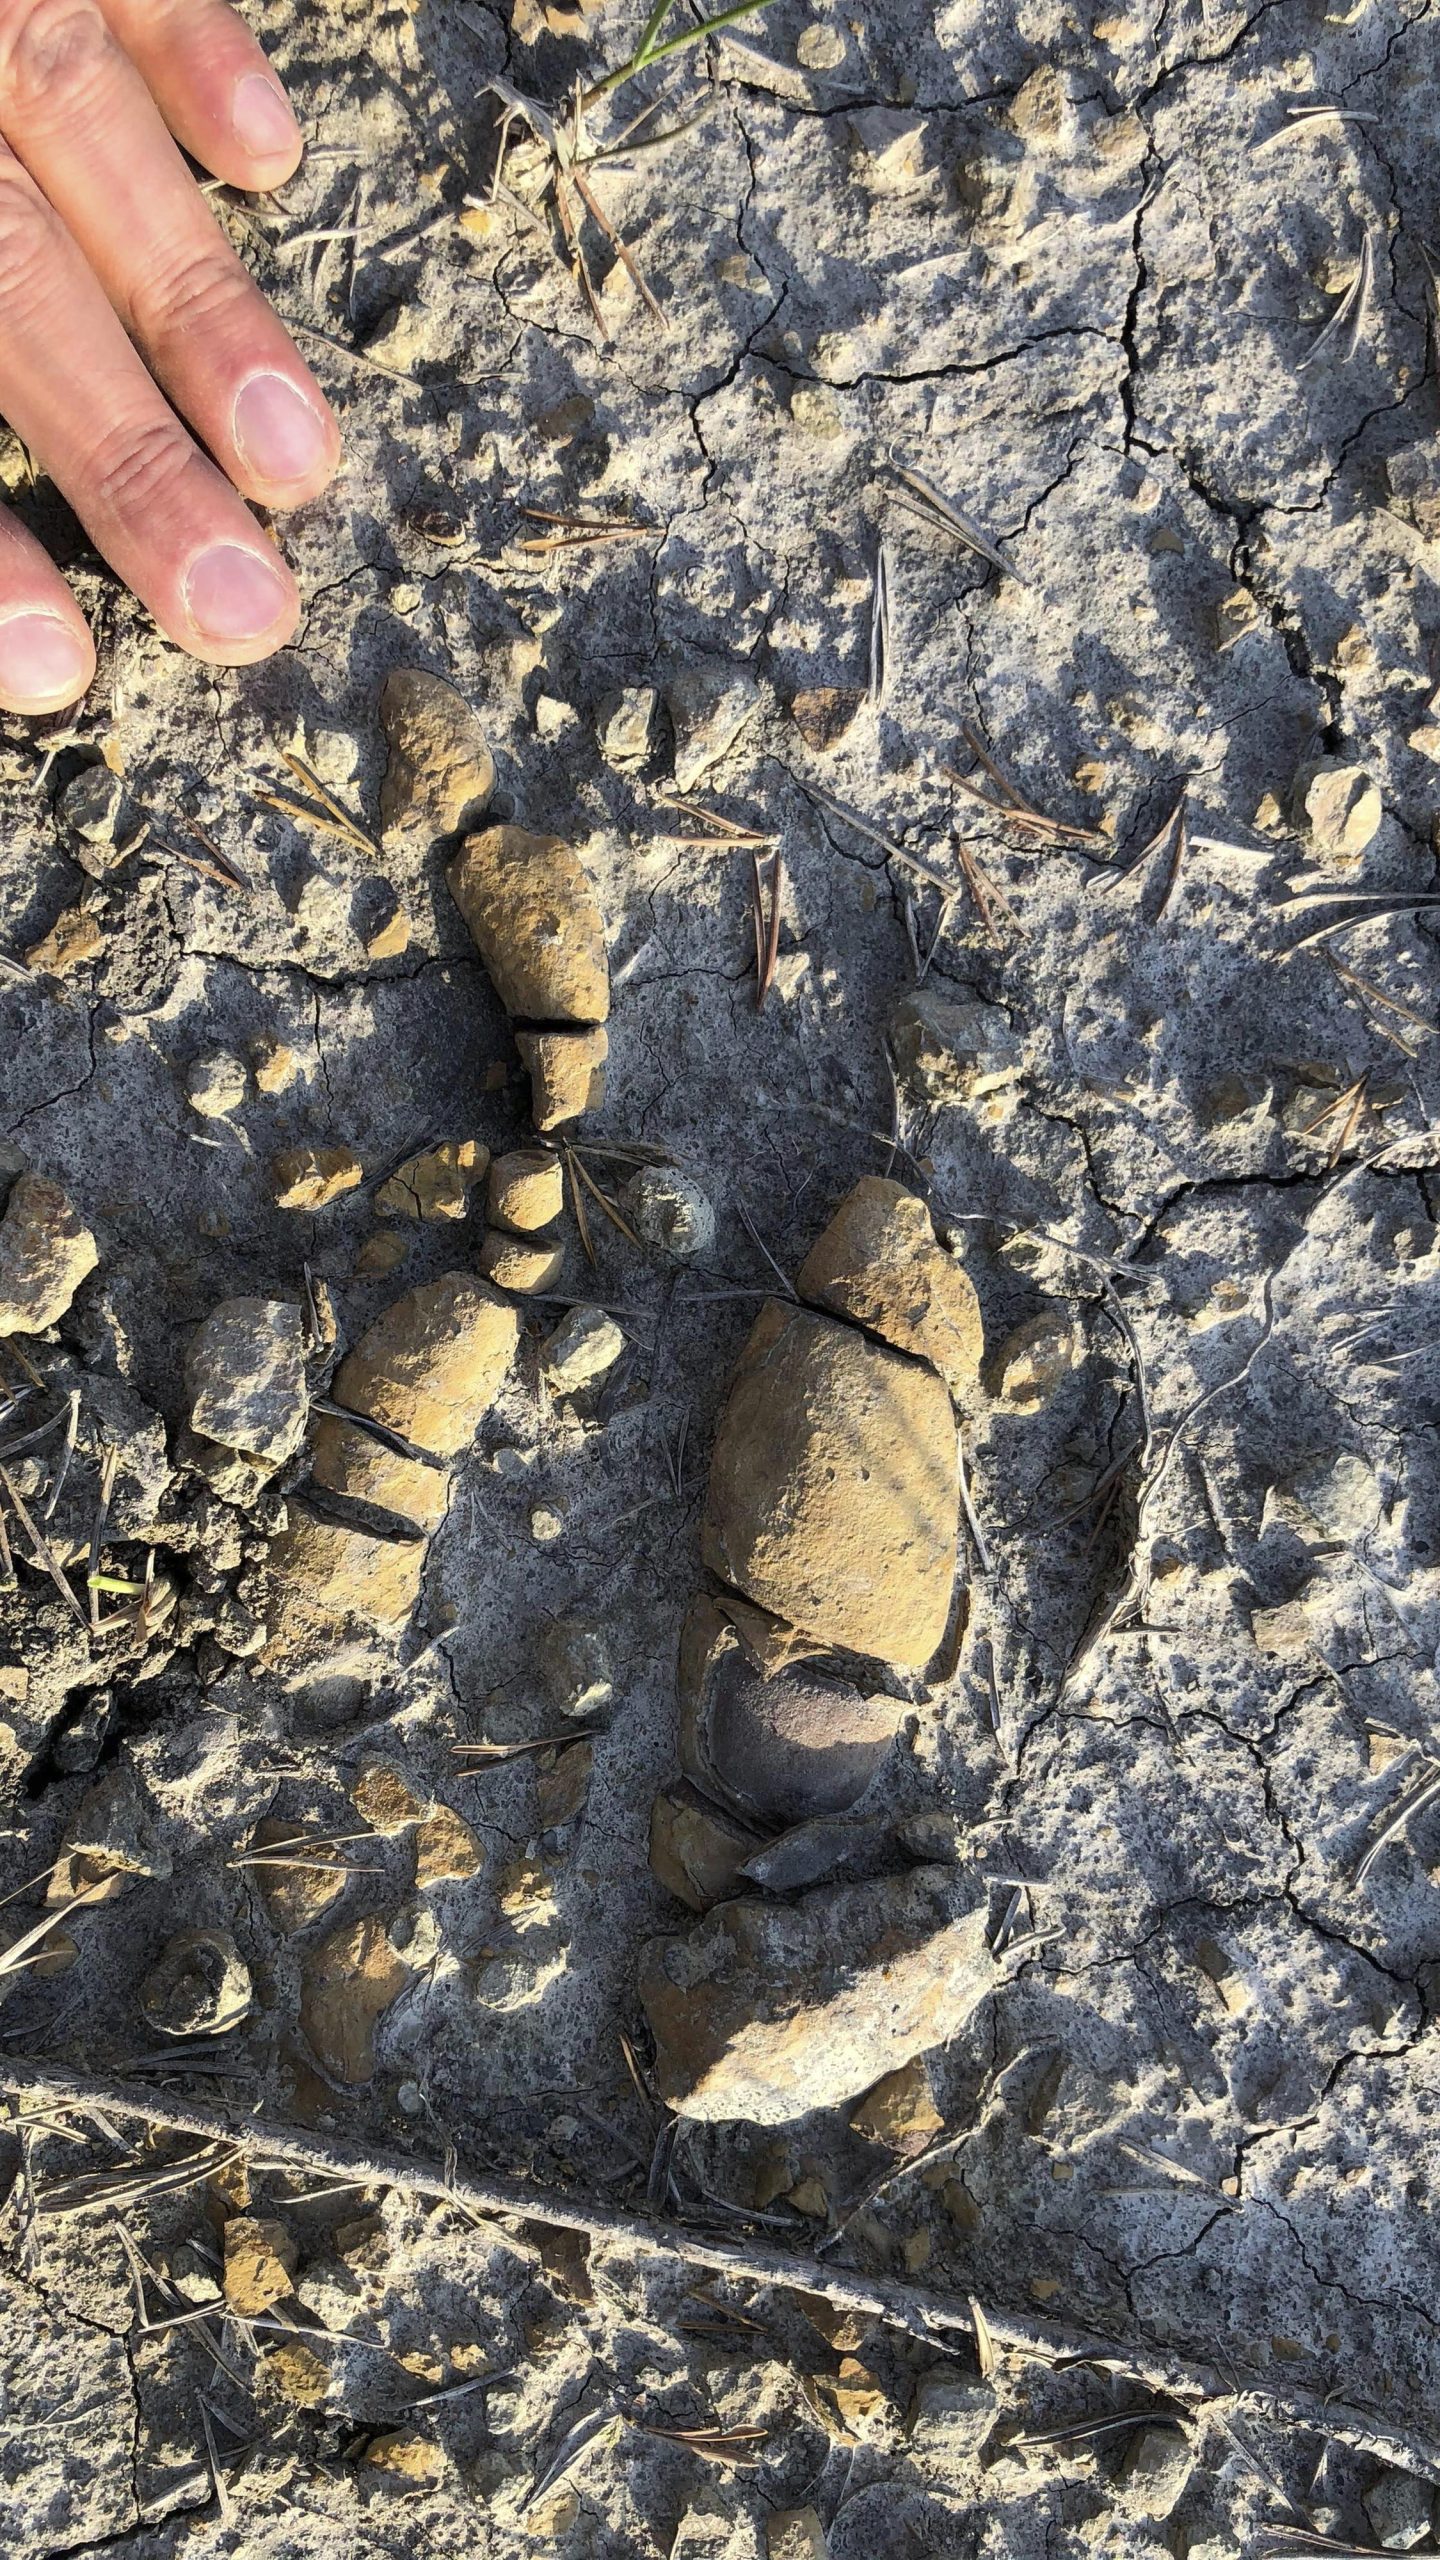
<point x="260" y="2262"/>
<point x="526" y="1190"/>
<point x="298" y="1881"/>
<point x="406" y="2460"/>
<point x="514" y="1263"/>
<point x="297" y="2374"/>
<point x="46" y="1250"/>
<point x="436" y="1183"/>
<point x="532" y="911"/>
<point x="833" y="1495"/>
<point x="311" y="1177"/>
<point x="697" y="1849"/>
<point x="337" y="1573"/>
<point x="446" y="1849"/>
<point x="429" y="1368"/>
<point x="900" y="2110"/>
<point x="879" y="1263"/>
<point x="567" y="1074"/>
<point x="382" y="1798"/>
<point x="349" y="1982"/>
<point x="441" y="773"/>
<point x="75" y="937"/>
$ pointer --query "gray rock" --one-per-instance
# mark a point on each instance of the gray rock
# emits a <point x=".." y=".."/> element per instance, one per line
<point x="1399" y="2508"/>
<point x="91" y="805"/>
<point x="708" y="707"/>
<point x="574" y="1667"/>
<point x="670" y="1213"/>
<point x="1155" y="2469"/>
<point x="952" y="1052"/>
<point x="245" y="1376"/>
<point x="45" y="1253"/>
<point x="216" y="1084"/>
<point x="580" y="1350"/>
<point x="767" y="2010"/>
<point x="114" y="1827"/>
<point x="623" y="725"/>
<point x="200" y="1986"/>
<point x="1338" y="805"/>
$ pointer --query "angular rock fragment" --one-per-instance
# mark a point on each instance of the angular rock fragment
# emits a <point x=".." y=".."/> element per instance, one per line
<point x="622" y="727"/>
<point x="783" y="1749"/>
<point x="405" y="2460"/>
<point x="275" y="1064"/>
<point x="526" y="1190"/>
<point x="1157" y="2464"/>
<point x="573" y="1663"/>
<point x="878" y="1262"/>
<point x="245" y="1377"/>
<point x="260" y="2263"/>
<point x="513" y="1262"/>
<point x="825" y="1850"/>
<point x="46" y="1250"/>
<point x="953" y="1053"/>
<point x="528" y="902"/>
<point x="826" y="714"/>
<point x="75" y="937"/>
<point x="900" y="2110"/>
<point x="349" y="1982"/>
<point x="215" y="1084"/>
<point x="708" y="707"/>
<point x="567" y="1074"/>
<point x="795" y="2533"/>
<point x="697" y="1850"/>
<point x="446" y="1849"/>
<point x="1339" y="805"/>
<point x="833" y="1496"/>
<point x="441" y="772"/>
<point x="199" y="1987"/>
<point x="1034" y="1361"/>
<point x="435" y="1184"/>
<point x="767" y="2010"/>
<point x="311" y="1177"/>
<point x="583" y="1347"/>
<point x="111" y="1838"/>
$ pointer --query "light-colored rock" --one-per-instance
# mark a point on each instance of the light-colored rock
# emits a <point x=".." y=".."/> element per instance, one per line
<point x="296" y="2374"/>
<point x="275" y="1064"/>
<point x="833" y="1496"/>
<point x="532" y="911"/>
<point x="879" y="1263"/>
<point x="441" y="773"/>
<point x="76" y="936"/>
<point x="383" y="1799"/>
<point x="1338" y="805"/>
<point x="583" y="1347"/>
<point x="768" y="2010"/>
<point x="46" y="1250"/>
<point x="514" y="1262"/>
<point x="670" y="1213"/>
<point x="950" y="2417"/>
<point x="388" y="933"/>
<point x="1399" y="2507"/>
<point x="446" y="1849"/>
<point x="436" y="1183"/>
<point x="795" y="2533"/>
<point x="245" y="1377"/>
<point x="819" y="48"/>
<point x="429" y="1368"/>
<point x="299" y="1882"/>
<point x="200" y="1985"/>
<point x="349" y="1982"/>
<point x="900" y="2110"/>
<point x="1034" y="1361"/>
<point x="952" y="1053"/>
<point x="1157" y="2464"/>
<point x="311" y="1177"/>
<point x="623" y="725"/>
<point x="573" y="1663"/>
<point x="709" y="706"/>
<point x="567" y="1074"/>
<point x="783" y="1747"/>
<point x="91" y="804"/>
<point x="697" y="1849"/>
<point x="405" y="2460"/>
<point x="562" y="1785"/>
<point x="526" y="1190"/>
<point x="887" y="151"/>
<point x="111" y="1838"/>
<point x="260" y="2263"/>
<point x="215" y="1085"/>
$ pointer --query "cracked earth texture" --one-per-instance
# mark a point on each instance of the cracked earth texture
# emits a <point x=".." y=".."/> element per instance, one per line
<point x="1036" y="254"/>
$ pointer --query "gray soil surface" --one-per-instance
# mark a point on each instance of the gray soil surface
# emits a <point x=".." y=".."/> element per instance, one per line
<point x="1073" y="265"/>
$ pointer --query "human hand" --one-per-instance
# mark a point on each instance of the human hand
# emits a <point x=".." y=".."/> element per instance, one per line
<point x="123" y="312"/>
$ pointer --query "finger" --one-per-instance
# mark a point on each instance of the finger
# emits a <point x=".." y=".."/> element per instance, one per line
<point x="47" y="658"/>
<point x="212" y="85"/>
<point x="164" y="517"/>
<point x="78" y="114"/>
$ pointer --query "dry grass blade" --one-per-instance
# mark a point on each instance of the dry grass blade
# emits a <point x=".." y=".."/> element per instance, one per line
<point x="1094" y="2430"/>
<point x="218" y="865"/>
<point x="622" y="252"/>
<point x="1372" y="907"/>
<point x="1420" y="1796"/>
<point x="115" y="2188"/>
<point x="1018" y="813"/>
<point x="109" y="1468"/>
<point x="937" y="510"/>
<point x="880" y="629"/>
<point x="761" y="1247"/>
<point x="485" y="1752"/>
<point x="573" y="532"/>
<point x="330" y="816"/>
<point x="1305" y="119"/>
<point x="43" y="1552"/>
<point x="1348" y="317"/>
<point x="712" y="2444"/>
<point x="602" y="1201"/>
<point x="722" y="832"/>
<point x="395" y="1441"/>
<point x="584" y="2437"/>
<point x="984" y="2341"/>
<point x="767" y="935"/>
<point x="1370" y="996"/>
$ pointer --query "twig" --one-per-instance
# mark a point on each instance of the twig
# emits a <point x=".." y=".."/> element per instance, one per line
<point x="44" y="2087"/>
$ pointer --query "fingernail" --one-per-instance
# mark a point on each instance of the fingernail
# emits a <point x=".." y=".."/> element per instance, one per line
<point x="277" y="431"/>
<point x="261" y="115"/>
<point x="233" y="595"/>
<point x="43" y="661"/>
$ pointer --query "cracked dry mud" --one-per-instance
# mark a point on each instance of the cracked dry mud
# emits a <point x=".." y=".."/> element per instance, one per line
<point x="1174" y="1742"/>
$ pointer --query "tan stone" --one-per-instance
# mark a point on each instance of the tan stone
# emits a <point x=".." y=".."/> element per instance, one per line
<point x="382" y="1798"/>
<point x="1339" y="805"/>
<point x="298" y="2375"/>
<point x="900" y="2110"/>
<point x="826" y="714"/>
<point x="350" y="1980"/>
<point x="526" y="1190"/>
<point x="561" y="1789"/>
<point x="380" y="1254"/>
<point x="340" y="1573"/>
<point x="833" y="1494"/>
<point x="406" y="2459"/>
<point x="429" y="1368"/>
<point x="274" y="1064"/>
<point x="75" y="937"/>
<point x="782" y="1745"/>
<point x="567" y="1074"/>
<point x="530" y="906"/>
<point x="46" y="1250"/>
<point x="440" y="773"/>
<point x="295" y="1894"/>
<point x="697" y="1849"/>
<point x="767" y="2010"/>
<point x="446" y="1849"/>
<point x="435" y="1184"/>
<point x="1034" y="1361"/>
<point x="389" y="935"/>
<point x="260" y="2262"/>
<point x="879" y="1263"/>
<point x="512" y="1263"/>
<point x="311" y="1177"/>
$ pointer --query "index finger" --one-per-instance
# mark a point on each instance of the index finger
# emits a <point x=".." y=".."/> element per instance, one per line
<point x="213" y="85"/>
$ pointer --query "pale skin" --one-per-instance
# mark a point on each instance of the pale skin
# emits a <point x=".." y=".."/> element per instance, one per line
<point x="138" y="361"/>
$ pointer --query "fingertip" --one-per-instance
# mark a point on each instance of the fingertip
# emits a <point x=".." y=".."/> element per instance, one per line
<point x="239" y="605"/>
<point x="264" y="130"/>
<point x="286" y="439"/>
<point x="47" y="660"/>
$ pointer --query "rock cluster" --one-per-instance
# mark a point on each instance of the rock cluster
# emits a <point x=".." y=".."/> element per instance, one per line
<point x="831" y="1525"/>
<point x="524" y="1198"/>
<point x="537" y="925"/>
